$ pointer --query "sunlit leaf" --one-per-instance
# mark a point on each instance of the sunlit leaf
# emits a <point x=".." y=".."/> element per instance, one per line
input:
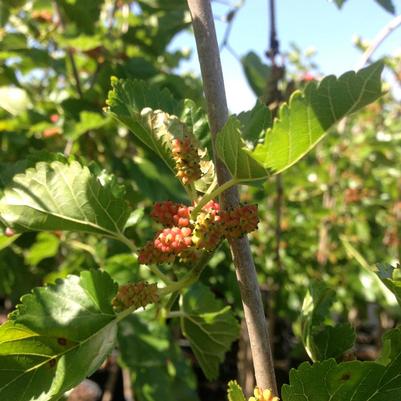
<point x="391" y="277"/>
<point x="351" y="381"/>
<point x="156" y="118"/>
<point x="58" y="196"/>
<point x="57" y="336"/>
<point x="234" y="392"/>
<point x="305" y="120"/>
<point x="300" y="125"/>
<point x="231" y="149"/>
<point x="14" y="100"/>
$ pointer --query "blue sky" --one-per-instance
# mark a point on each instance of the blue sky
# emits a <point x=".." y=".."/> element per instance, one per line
<point x="307" y="23"/>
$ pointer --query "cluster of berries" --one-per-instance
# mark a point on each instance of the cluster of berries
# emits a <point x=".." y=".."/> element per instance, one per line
<point x="263" y="395"/>
<point x="187" y="160"/>
<point x="135" y="294"/>
<point x="185" y="239"/>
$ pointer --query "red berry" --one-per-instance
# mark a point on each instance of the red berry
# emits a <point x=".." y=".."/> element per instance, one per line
<point x="51" y="131"/>
<point x="173" y="240"/>
<point x="54" y="118"/>
<point x="149" y="255"/>
<point x="9" y="232"/>
<point x="308" y="76"/>
<point x="171" y="214"/>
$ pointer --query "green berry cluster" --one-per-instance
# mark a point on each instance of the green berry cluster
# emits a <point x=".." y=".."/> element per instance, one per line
<point x="135" y="294"/>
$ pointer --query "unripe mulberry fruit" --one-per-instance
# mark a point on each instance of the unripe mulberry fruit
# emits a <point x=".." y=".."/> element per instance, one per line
<point x="208" y="230"/>
<point x="240" y="221"/>
<point x="135" y="295"/>
<point x="173" y="240"/>
<point x="189" y="255"/>
<point x="149" y="255"/>
<point x="263" y="395"/>
<point x="187" y="160"/>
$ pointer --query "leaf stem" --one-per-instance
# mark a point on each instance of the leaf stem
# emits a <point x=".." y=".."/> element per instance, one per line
<point x="191" y="277"/>
<point x="175" y="313"/>
<point x="214" y="194"/>
<point x="380" y="37"/>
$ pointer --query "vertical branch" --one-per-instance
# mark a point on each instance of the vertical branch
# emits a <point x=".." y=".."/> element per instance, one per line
<point x="328" y="204"/>
<point x="70" y="53"/>
<point x="279" y="214"/>
<point x="273" y="99"/>
<point x="209" y="59"/>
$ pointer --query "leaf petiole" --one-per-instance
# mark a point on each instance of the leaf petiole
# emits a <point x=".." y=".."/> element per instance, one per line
<point x="158" y="273"/>
<point x="212" y="195"/>
<point x="190" y="278"/>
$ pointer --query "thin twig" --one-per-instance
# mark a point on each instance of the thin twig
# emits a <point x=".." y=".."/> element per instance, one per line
<point x="273" y="98"/>
<point x="229" y="19"/>
<point x="274" y="43"/>
<point x="213" y="84"/>
<point x="70" y="52"/>
<point x="127" y="386"/>
<point x="279" y="215"/>
<point x="380" y="37"/>
<point x="111" y="380"/>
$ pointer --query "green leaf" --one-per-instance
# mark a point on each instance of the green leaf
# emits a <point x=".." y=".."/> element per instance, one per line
<point x="14" y="100"/>
<point x="156" y="118"/>
<point x="145" y="111"/>
<point x="351" y="381"/>
<point x="58" y="196"/>
<point x="256" y="73"/>
<point x="391" y="346"/>
<point x="387" y="5"/>
<point x="323" y="341"/>
<point x="123" y="268"/>
<point x="304" y="121"/>
<point x="231" y="149"/>
<point x="339" y="3"/>
<point x="159" y="368"/>
<point x="46" y="246"/>
<point x="83" y="15"/>
<point x="15" y="277"/>
<point x="234" y="392"/>
<point x="391" y="277"/>
<point x="209" y="326"/>
<point x="6" y="241"/>
<point x="148" y="113"/>
<point x="82" y="42"/>
<point x="300" y="125"/>
<point x="255" y="122"/>
<point x="332" y="342"/>
<point x="88" y="121"/>
<point x="57" y="336"/>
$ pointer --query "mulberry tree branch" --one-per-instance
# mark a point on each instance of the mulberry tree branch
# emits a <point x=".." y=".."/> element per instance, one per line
<point x="213" y="84"/>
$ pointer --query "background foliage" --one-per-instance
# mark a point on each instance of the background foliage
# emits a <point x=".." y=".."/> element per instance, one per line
<point x="340" y="213"/>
